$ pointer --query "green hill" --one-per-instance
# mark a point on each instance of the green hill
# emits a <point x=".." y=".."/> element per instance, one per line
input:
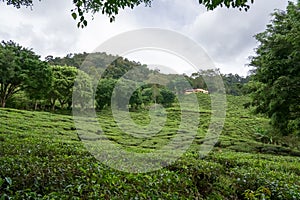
<point x="42" y="157"/>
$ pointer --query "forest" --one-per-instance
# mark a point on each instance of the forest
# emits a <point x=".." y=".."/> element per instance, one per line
<point x="49" y="85"/>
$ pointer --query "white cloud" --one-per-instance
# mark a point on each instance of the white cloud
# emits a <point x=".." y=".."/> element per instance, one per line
<point x="46" y="28"/>
<point x="226" y="34"/>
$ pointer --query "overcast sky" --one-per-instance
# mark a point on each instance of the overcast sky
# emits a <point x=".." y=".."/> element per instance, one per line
<point x="225" y="34"/>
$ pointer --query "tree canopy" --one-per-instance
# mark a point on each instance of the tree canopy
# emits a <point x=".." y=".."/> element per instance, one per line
<point x="62" y="83"/>
<point x="276" y="82"/>
<point x="112" y="7"/>
<point x="20" y="69"/>
<point x="68" y="81"/>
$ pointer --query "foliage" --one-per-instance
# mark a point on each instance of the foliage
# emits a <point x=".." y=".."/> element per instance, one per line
<point x="168" y="97"/>
<point x="83" y="90"/>
<point x="277" y="71"/>
<point x="21" y="69"/>
<point x="160" y="95"/>
<point x="234" y="84"/>
<point x="126" y="92"/>
<point x="179" y="83"/>
<point x="104" y="92"/>
<point x="21" y="100"/>
<point x="112" y="7"/>
<point x="63" y="79"/>
<point x="70" y="59"/>
<point x="118" y="68"/>
<point x="42" y="157"/>
<point x="122" y="92"/>
<point x="108" y="66"/>
<point x="68" y="82"/>
<point x="83" y="60"/>
<point x="197" y="80"/>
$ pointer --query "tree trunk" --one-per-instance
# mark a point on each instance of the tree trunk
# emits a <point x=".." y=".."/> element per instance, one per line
<point x="52" y="104"/>
<point x="35" y="105"/>
<point x="3" y="99"/>
<point x="3" y="103"/>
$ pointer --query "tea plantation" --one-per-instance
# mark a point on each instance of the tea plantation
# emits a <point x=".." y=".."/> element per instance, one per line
<point x="42" y="157"/>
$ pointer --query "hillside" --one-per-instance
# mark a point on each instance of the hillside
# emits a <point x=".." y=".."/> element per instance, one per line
<point x="41" y="157"/>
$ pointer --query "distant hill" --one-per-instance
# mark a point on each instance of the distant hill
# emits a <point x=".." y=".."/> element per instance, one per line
<point x="116" y="66"/>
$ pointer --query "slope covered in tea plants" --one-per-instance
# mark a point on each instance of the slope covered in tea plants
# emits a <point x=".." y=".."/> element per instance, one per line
<point x="42" y="157"/>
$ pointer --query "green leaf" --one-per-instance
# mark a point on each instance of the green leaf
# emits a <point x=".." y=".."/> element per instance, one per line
<point x="74" y="15"/>
<point x="3" y="197"/>
<point x="1" y="182"/>
<point x="84" y="22"/>
<point x="8" y="180"/>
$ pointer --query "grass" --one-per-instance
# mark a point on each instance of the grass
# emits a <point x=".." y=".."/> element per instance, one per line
<point x="42" y="157"/>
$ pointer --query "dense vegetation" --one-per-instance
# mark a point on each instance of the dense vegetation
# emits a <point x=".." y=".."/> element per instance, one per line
<point x="43" y="154"/>
<point x="276" y="76"/>
<point x="54" y="84"/>
<point x="21" y="69"/>
<point x="43" y="158"/>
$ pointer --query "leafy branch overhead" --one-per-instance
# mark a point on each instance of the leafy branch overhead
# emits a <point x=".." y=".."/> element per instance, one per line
<point x="112" y="7"/>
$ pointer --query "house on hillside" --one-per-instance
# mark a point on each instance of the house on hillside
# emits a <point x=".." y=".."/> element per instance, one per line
<point x="197" y="90"/>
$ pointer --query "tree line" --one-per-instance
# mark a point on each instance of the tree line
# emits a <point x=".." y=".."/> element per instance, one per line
<point x="59" y="83"/>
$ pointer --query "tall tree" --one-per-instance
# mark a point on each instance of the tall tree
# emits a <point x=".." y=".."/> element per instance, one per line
<point x="277" y="70"/>
<point x="39" y="85"/>
<point x="126" y="92"/>
<point x="83" y="90"/>
<point x="104" y="92"/>
<point x="20" y="69"/>
<point x="63" y="79"/>
<point x="112" y="7"/>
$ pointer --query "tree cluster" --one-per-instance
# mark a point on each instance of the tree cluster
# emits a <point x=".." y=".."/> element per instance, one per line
<point x="38" y="83"/>
<point x="62" y="83"/>
<point x="21" y="69"/>
<point x="120" y="78"/>
<point x="275" y="85"/>
<point x="232" y="83"/>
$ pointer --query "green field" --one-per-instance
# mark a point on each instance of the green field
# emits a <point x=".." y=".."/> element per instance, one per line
<point x="42" y="157"/>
